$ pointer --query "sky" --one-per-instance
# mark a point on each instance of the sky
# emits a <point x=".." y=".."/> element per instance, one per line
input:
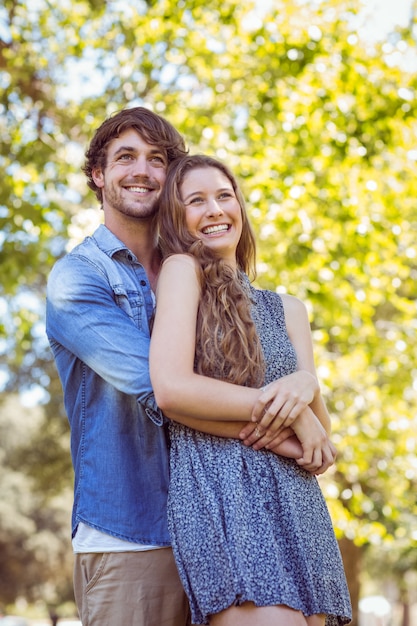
<point x="382" y="15"/>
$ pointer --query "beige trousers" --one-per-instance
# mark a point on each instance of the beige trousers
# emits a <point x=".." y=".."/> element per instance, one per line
<point x="129" y="589"/>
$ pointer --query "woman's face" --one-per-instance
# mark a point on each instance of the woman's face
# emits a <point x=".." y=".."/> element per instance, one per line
<point x="212" y="211"/>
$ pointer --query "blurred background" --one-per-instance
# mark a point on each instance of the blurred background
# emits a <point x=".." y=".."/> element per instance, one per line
<point x="313" y="104"/>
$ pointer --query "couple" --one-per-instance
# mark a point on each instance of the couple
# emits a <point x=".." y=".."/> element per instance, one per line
<point x="231" y="366"/>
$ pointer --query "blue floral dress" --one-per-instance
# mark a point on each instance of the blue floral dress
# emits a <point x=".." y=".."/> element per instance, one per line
<point x="249" y="525"/>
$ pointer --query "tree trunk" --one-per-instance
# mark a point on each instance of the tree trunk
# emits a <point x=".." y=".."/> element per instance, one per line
<point x="352" y="561"/>
<point x="406" y="615"/>
<point x="405" y="604"/>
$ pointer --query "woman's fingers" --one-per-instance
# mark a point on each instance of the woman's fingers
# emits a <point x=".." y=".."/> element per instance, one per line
<point x="258" y="437"/>
<point x="319" y="459"/>
<point x="287" y="396"/>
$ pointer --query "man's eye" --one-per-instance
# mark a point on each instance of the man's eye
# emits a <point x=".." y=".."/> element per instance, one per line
<point x="125" y="157"/>
<point x="158" y="159"/>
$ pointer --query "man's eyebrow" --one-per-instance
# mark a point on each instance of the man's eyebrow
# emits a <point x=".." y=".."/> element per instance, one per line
<point x="133" y="149"/>
<point x="124" y="149"/>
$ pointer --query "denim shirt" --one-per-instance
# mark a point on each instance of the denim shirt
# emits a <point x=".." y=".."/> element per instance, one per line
<point x="99" y="302"/>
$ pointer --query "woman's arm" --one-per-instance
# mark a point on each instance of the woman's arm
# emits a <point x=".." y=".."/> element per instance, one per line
<point x="183" y="395"/>
<point x="299" y="331"/>
<point x="310" y="424"/>
<point x="179" y="391"/>
<point x="281" y="397"/>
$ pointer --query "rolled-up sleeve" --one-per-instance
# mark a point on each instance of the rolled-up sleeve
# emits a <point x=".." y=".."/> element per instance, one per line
<point x="151" y="409"/>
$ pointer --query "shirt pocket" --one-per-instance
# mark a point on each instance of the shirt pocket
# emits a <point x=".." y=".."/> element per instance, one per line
<point x="132" y="303"/>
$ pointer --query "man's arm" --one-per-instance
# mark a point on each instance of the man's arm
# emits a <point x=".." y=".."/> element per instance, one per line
<point x="288" y="446"/>
<point x="83" y="318"/>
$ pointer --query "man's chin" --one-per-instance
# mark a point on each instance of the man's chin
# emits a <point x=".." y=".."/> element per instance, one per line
<point x="140" y="212"/>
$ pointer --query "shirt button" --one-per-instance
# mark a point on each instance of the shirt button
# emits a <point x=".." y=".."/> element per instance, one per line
<point x="143" y="283"/>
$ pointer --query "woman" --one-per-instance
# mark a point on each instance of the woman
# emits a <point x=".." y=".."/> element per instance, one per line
<point x="250" y="529"/>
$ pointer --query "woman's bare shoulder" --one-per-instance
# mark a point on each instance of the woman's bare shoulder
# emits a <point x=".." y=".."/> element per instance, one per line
<point x="293" y="305"/>
<point x="186" y="260"/>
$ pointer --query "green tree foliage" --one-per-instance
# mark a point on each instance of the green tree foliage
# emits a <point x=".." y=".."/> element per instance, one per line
<point x="319" y="123"/>
<point x="34" y="523"/>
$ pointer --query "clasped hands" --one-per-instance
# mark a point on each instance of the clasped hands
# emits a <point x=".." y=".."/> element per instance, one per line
<point x="282" y="414"/>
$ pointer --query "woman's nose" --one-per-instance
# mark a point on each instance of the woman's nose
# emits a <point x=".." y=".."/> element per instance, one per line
<point x="214" y="208"/>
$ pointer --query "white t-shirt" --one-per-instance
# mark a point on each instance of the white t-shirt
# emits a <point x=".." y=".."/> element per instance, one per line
<point x="89" y="539"/>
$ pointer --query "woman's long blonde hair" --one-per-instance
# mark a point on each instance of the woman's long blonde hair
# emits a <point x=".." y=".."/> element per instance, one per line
<point x="227" y="344"/>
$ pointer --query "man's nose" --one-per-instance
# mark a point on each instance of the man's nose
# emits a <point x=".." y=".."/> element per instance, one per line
<point x="140" y="166"/>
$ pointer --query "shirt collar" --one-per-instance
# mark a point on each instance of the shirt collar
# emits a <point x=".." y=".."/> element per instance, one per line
<point x="109" y="243"/>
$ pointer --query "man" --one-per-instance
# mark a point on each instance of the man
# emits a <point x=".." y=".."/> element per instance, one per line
<point x="99" y="302"/>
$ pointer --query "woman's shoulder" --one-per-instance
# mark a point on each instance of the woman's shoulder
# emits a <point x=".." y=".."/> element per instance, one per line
<point x="181" y="264"/>
<point x="290" y="304"/>
<point x="183" y="259"/>
<point x="179" y="272"/>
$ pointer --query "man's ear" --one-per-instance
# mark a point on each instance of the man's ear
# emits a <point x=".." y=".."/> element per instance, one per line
<point x="98" y="177"/>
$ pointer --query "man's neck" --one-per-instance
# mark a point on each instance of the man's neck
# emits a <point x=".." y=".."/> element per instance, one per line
<point x="139" y="237"/>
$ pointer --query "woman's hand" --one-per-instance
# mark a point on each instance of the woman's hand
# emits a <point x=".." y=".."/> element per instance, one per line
<point x="312" y="450"/>
<point x="252" y="435"/>
<point x="282" y="401"/>
<point x="277" y="407"/>
<point x="318" y="451"/>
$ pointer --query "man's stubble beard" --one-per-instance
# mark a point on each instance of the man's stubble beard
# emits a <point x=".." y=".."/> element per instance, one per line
<point x="144" y="209"/>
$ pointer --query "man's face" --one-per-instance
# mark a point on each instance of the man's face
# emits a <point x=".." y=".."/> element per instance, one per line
<point x="134" y="175"/>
